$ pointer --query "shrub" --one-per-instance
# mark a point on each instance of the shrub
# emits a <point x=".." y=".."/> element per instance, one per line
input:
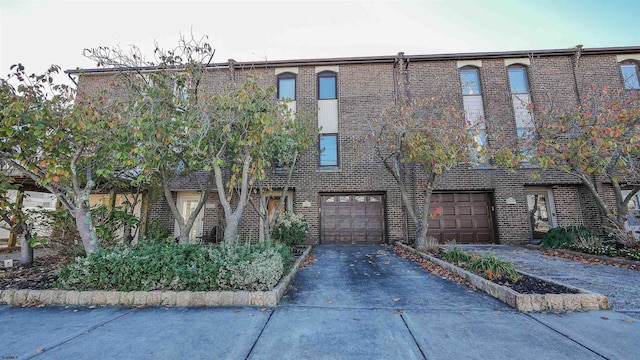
<point x="557" y="237"/>
<point x="291" y="229"/>
<point x="168" y="266"/>
<point x="564" y="236"/>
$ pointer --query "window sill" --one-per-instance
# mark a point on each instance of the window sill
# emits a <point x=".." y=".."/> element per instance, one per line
<point x="328" y="169"/>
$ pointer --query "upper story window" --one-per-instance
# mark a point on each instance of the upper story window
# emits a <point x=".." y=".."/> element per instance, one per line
<point x="327" y="85"/>
<point x="470" y="81"/>
<point x="474" y="110"/>
<point x="287" y="86"/>
<point x="328" y="150"/>
<point x="630" y="75"/>
<point x="518" y="80"/>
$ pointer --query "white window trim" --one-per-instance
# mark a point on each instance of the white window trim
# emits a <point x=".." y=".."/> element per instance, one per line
<point x="462" y="63"/>
<point x="514" y="61"/>
<point x="625" y="57"/>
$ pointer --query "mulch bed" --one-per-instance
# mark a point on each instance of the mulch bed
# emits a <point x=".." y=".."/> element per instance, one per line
<point x="40" y="276"/>
<point x="589" y="260"/>
<point x="530" y="285"/>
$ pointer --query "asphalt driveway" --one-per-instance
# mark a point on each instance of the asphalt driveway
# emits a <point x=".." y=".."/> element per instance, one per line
<point x="353" y="303"/>
<point x="621" y="286"/>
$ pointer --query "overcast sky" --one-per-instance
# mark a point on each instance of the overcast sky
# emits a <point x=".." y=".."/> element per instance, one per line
<point x="45" y="32"/>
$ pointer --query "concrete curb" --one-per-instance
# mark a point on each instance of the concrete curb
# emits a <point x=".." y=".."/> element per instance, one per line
<point x="584" y="300"/>
<point x="153" y="298"/>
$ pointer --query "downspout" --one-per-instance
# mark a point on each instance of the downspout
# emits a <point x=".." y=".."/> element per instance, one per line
<point x="398" y="64"/>
<point x="574" y="62"/>
<point x="232" y="68"/>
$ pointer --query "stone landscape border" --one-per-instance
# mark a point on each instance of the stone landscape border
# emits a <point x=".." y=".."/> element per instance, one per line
<point x="583" y="300"/>
<point x="153" y="298"/>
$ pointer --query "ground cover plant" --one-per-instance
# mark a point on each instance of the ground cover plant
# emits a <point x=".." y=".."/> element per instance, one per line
<point x="169" y="266"/>
<point x="581" y="239"/>
<point x="488" y="266"/>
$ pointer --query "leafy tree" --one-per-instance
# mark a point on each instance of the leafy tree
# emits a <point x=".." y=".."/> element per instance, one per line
<point x="258" y="133"/>
<point x="431" y="135"/>
<point x="597" y="141"/>
<point x="60" y="141"/>
<point x="177" y="128"/>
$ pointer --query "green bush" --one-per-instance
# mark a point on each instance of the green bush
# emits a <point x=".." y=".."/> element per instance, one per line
<point x="168" y="266"/>
<point x="291" y="229"/>
<point x="560" y="237"/>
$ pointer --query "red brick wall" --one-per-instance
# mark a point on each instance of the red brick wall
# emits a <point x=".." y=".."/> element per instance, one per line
<point x="365" y="90"/>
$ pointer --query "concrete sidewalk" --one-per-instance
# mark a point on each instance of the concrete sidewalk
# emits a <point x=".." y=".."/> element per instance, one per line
<point x="353" y="303"/>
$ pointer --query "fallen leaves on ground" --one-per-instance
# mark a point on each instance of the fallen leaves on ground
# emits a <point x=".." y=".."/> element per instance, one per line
<point x="308" y="260"/>
<point x="589" y="260"/>
<point x="431" y="267"/>
<point x="41" y="275"/>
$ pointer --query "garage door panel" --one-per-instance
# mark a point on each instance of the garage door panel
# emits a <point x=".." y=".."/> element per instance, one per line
<point x="465" y="224"/>
<point x="449" y="223"/>
<point x="444" y="198"/>
<point x="465" y="218"/>
<point x="446" y="210"/>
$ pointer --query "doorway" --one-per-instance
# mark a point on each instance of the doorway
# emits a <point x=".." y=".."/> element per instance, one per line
<point x="187" y="203"/>
<point x="542" y="212"/>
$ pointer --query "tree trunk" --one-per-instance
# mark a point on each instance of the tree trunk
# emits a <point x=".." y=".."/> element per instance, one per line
<point x="231" y="230"/>
<point x="85" y="228"/>
<point x="423" y="227"/>
<point x="26" y="251"/>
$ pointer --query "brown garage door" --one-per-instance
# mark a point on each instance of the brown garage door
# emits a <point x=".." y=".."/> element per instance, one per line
<point x="465" y="218"/>
<point x="352" y="219"/>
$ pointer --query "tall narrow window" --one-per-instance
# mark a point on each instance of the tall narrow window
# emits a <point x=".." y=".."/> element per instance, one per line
<point x="328" y="150"/>
<point x="630" y="75"/>
<point x="521" y="105"/>
<point x="328" y="120"/>
<point x="327" y="85"/>
<point x="474" y="109"/>
<point x="287" y="86"/>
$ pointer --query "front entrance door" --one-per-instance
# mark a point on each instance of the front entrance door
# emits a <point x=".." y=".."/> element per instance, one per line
<point x="542" y="212"/>
<point x="186" y="206"/>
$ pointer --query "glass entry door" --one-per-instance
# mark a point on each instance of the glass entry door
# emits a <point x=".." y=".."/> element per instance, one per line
<point x="541" y="209"/>
<point x="187" y="204"/>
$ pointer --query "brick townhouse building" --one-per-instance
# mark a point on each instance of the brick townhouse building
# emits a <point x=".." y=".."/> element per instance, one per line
<point x="349" y="198"/>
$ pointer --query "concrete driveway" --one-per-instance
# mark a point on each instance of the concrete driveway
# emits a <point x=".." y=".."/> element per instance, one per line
<point x="353" y="303"/>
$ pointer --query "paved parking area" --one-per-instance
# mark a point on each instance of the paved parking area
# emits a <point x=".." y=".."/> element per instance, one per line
<point x="353" y="303"/>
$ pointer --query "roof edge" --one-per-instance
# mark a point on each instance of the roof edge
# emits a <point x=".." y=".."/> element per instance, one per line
<point x="387" y="59"/>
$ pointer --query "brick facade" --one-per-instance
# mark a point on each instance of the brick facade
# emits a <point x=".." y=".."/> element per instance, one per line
<point x="366" y="86"/>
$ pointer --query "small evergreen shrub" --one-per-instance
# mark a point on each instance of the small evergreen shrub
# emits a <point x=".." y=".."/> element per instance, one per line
<point x="291" y="229"/>
<point x="560" y="237"/>
<point x="151" y="266"/>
